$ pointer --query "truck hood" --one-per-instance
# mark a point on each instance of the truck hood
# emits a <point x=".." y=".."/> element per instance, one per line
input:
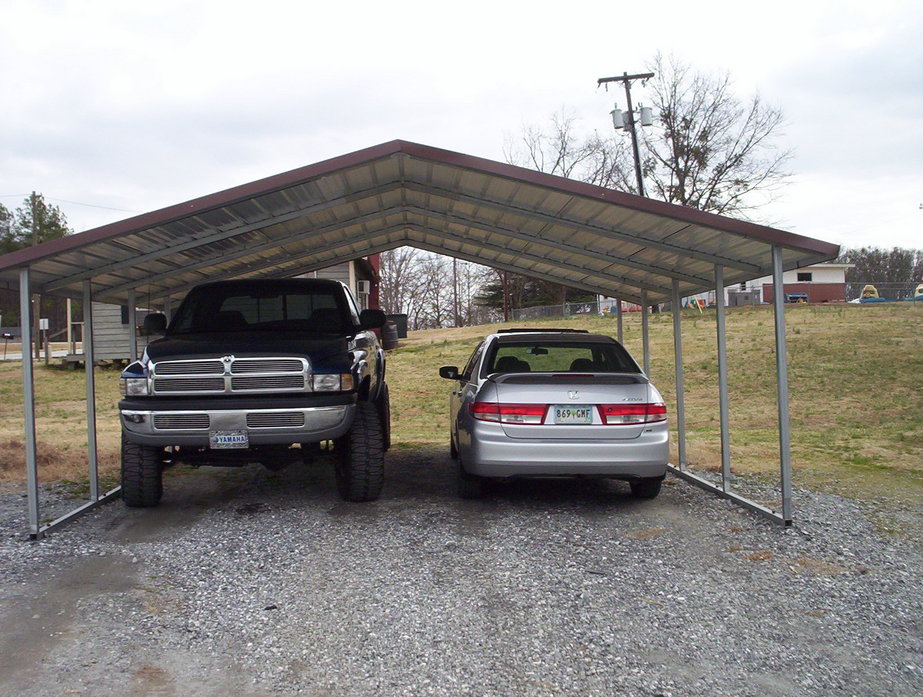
<point x="318" y="348"/>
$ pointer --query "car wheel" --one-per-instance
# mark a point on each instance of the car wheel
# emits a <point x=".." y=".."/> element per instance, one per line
<point x="470" y="486"/>
<point x="142" y="474"/>
<point x="383" y="406"/>
<point x="360" y="462"/>
<point x="453" y="449"/>
<point x="646" y="487"/>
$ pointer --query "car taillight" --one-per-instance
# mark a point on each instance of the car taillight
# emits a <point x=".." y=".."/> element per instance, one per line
<point x="509" y="413"/>
<point x="627" y="414"/>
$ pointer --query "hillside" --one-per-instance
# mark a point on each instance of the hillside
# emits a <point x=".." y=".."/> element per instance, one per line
<point x="856" y="377"/>
<point x="856" y="380"/>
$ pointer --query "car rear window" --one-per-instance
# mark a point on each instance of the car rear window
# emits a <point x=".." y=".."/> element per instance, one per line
<point x="560" y="357"/>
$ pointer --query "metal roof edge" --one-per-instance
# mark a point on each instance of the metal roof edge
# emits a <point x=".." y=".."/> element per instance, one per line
<point x="24" y="257"/>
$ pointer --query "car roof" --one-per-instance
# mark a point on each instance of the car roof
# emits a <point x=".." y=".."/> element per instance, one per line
<point x="528" y="336"/>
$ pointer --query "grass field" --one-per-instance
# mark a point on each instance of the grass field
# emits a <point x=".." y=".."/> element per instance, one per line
<point x="856" y="376"/>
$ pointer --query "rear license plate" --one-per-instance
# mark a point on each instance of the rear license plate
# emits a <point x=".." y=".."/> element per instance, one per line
<point x="228" y="439"/>
<point x="573" y="415"/>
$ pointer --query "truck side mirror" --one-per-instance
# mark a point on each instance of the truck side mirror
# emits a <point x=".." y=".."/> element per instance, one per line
<point x="449" y="372"/>
<point x="372" y="319"/>
<point x="155" y="323"/>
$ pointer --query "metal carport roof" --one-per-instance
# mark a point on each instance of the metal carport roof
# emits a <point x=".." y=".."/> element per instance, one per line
<point x="402" y="193"/>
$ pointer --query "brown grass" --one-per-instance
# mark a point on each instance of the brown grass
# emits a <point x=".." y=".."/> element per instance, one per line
<point x="855" y="372"/>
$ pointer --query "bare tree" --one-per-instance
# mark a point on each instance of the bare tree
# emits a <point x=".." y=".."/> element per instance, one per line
<point x="560" y="149"/>
<point x="420" y="285"/>
<point x="397" y="284"/>
<point x="709" y="150"/>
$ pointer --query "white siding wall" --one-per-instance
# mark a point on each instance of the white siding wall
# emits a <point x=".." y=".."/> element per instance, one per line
<point x="110" y="336"/>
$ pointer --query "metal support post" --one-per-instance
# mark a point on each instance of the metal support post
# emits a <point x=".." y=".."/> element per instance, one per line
<point x="132" y="327"/>
<point x="722" y="379"/>
<point x="645" y="335"/>
<point x="88" y="357"/>
<point x="619" y="328"/>
<point x="28" y="402"/>
<point x="785" y="445"/>
<point x="678" y="361"/>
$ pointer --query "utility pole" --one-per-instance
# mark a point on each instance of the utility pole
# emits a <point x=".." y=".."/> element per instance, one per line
<point x="626" y="80"/>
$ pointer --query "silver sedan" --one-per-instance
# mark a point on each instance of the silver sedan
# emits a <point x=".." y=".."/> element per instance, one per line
<point x="555" y="403"/>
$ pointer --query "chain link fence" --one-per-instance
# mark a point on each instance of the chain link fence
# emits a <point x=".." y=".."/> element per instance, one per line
<point x="603" y="307"/>
<point x="889" y="291"/>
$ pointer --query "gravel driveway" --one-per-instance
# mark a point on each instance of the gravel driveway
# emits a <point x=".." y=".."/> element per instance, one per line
<point x="246" y="582"/>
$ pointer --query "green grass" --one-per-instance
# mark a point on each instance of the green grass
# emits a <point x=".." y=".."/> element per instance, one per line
<point x="856" y="390"/>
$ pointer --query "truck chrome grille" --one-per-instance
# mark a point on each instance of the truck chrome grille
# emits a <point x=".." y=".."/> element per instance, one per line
<point x="275" y="419"/>
<point x="267" y="382"/>
<point x="176" y="422"/>
<point x="182" y="385"/>
<point x="267" y="365"/>
<point x="190" y="368"/>
<point x="231" y="375"/>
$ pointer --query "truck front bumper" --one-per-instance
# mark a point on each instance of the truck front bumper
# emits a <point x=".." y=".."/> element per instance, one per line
<point x="272" y="422"/>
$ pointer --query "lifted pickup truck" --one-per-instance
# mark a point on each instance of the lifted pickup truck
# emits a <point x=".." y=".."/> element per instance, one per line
<point x="258" y="371"/>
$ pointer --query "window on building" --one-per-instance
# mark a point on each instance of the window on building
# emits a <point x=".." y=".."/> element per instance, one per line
<point x="743" y="286"/>
<point x="805" y="277"/>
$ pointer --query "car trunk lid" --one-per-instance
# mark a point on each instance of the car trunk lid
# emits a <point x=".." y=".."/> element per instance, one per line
<point x="572" y="398"/>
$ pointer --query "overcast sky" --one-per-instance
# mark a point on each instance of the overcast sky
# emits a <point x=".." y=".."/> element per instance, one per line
<point x="136" y="106"/>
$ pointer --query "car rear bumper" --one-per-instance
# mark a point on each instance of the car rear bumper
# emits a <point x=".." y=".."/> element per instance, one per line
<point x="490" y="453"/>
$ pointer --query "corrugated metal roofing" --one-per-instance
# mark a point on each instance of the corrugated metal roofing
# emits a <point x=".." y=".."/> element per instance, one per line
<point x="402" y="193"/>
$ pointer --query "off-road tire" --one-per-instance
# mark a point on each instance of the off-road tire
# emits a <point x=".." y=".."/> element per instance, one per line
<point x="360" y="462"/>
<point x="383" y="406"/>
<point x="142" y="474"/>
<point x="470" y="486"/>
<point x="646" y="487"/>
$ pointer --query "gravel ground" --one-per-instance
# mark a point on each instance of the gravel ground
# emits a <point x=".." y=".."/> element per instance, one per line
<point x="247" y="582"/>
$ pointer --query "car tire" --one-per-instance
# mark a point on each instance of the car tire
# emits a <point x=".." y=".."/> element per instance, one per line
<point x="453" y="449"/>
<point x="360" y="461"/>
<point x="142" y="474"/>
<point x="383" y="406"/>
<point x="470" y="486"/>
<point x="646" y="487"/>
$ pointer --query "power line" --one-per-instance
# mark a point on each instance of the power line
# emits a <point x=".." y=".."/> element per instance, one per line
<point x="75" y="203"/>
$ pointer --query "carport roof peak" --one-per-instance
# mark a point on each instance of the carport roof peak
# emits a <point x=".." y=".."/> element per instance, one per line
<point x="404" y="193"/>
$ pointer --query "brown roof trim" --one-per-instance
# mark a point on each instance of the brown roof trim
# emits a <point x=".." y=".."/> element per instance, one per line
<point x="195" y="206"/>
<point x="621" y="198"/>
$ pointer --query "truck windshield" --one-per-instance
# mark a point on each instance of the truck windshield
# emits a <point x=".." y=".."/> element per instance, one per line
<point x="239" y="308"/>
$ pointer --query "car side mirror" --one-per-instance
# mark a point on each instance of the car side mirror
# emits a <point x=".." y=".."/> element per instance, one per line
<point x="155" y="323"/>
<point x="372" y="319"/>
<point x="449" y="372"/>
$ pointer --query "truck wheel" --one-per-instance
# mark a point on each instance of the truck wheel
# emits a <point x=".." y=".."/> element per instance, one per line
<point x="142" y="475"/>
<point x="383" y="406"/>
<point x="360" y="463"/>
<point x="646" y="487"/>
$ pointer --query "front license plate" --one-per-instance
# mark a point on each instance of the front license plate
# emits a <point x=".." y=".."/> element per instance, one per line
<point x="228" y="439"/>
<point x="573" y="415"/>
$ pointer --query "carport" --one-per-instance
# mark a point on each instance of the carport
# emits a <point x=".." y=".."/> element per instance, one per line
<point x="402" y="193"/>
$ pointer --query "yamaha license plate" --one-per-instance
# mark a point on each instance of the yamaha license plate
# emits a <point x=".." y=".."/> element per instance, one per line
<point x="573" y="415"/>
<point x="228" y="439"/>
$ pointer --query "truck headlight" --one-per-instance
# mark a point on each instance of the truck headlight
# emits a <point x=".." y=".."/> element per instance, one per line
<point x="332" y="382"/>
<point x="134" y="387"/>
